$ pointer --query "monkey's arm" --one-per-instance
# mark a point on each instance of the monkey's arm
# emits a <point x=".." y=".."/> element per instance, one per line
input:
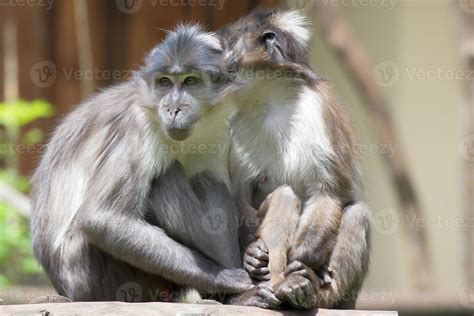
<point x="113" y="219"/>
<point x="149" y="248"/>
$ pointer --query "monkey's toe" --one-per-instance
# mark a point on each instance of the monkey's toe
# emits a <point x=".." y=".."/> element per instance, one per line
<point x="298" y="291"/>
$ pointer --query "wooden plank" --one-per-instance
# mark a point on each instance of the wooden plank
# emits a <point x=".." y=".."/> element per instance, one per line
<point x="34" y="53"/>
<point x="67" y="90"/>
<point x="117" y="308"/>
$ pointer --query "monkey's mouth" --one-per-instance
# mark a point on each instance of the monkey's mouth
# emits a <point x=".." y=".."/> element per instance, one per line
<point x="179" y="134"/>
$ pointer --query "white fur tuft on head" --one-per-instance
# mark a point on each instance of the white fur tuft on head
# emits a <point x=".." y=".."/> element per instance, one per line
<point x="295" y="23"/>
<point x="195" y="30"/>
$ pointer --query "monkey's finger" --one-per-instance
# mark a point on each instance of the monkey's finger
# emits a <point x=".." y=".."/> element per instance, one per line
<point x="261" y="277"/>
<point x="257" y="253"/>
<point x="254" y="262"/>
<point x="261" y="274"/>
<point x="260" y="244"/>
<point x="297" y="295"/>
<point x="262" y="271"/>
<point x="310" y="275"/>
<point x="309" y="296"/>
<point x="293" y="267"/>
<point x="325" y="275"/>
<point x="269" y="296"/>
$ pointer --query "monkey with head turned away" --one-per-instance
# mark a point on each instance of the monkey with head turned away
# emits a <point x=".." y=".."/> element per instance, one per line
<point x="293" y="166"/>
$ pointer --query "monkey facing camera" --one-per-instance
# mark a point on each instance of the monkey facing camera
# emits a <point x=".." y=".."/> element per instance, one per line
<point x="184" y="94"/>
<point x="113" y="208"/>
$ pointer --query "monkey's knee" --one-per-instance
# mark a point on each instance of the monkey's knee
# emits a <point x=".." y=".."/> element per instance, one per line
<point x="281" y="196"/>
<point x="357" y="215"/>
<point x="284" y="192"/>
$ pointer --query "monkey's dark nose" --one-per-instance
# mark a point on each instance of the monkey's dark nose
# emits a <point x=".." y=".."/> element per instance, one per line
<point x="174" y="112"/>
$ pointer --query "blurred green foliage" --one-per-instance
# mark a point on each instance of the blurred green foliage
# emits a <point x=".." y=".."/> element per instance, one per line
<point x="17" y="264"/>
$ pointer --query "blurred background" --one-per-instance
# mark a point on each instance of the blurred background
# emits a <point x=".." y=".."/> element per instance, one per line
<point x="403" y="68"/>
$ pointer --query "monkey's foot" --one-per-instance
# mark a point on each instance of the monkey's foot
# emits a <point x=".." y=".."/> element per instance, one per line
<point x="265" y="298"/>
<point x="256" y="261"/>
<point x="325" y="276"/>
<point x="51" y="299"/>
<point x="299" y="286"/>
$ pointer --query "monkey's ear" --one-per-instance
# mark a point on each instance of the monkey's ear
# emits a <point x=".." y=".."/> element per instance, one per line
<point x="295" y="23"/>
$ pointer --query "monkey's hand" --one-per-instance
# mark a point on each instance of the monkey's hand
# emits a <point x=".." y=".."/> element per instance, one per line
<point x="299" y="286"/>
<point x="256" y="261"/>
<point x="234" y="281"/>
<point x="262" y="296"/>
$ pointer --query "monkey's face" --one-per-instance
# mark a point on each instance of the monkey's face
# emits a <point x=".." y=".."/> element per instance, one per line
<point x="266" y="36"/>
<point x="183" y="100"/>
<point x="186" y="78"/>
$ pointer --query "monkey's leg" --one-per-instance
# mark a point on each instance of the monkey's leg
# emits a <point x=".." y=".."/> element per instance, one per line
<point x="280" y="212"/>
<point x="317" y="232"/>
<point x="350" y="259"/>
<point x="348" y="264"/>
<point x="313" y="245"/>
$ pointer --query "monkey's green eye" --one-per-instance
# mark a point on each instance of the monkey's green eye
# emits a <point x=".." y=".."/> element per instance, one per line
<point x="164" y="82"/>
<point x="191" y="81"/>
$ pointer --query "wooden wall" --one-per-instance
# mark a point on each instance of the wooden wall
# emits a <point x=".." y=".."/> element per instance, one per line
<point x="119" y="38"/>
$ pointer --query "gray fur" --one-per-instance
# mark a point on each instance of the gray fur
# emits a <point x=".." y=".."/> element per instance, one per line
<point x="90" y="225"/>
